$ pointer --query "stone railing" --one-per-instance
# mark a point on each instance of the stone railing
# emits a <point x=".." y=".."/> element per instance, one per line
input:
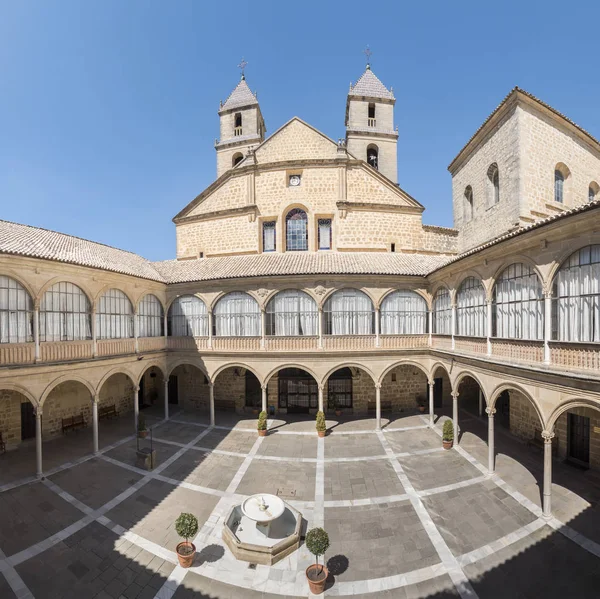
<point x="441" y="342"/>
<point x="187" y="343"/>
<point x="575" y="356"/>
<point x="403" y="341"/>
<point x="151" y="343"/>
<point x="61" y="351"/>
<point x="518" y="350"/>
<point x="236" y="343"/>
<point x="114" y="347"/>
<point x="470" y="345"/>
<point x="349" y="342"/>
<point x="17" y="353"/>
<point x="291" y="343"/>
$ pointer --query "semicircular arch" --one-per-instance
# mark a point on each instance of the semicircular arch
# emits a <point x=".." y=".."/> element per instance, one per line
<point x="117" y="370"/>
<point x="515" y="387"/>
<point x="347" y="365"/>
<point x="65" y="378"/>
<point x="461" y="376"/>
<point x="570" y="404"/>
<point x="422" y="294"/>
<point x="223" y="367"/>
<point x="4" y="385"/>
<point x="187" y="362"/>
<point x="290" y="365"/>
<point x="147" y="366"/>
<point x="404" y="362"/>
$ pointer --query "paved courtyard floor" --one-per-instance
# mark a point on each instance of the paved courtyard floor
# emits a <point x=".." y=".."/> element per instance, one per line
<point x="406" y="519"/>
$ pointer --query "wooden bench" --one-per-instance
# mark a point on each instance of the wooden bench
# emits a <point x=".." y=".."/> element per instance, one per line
<point x="108" y="412"/>
<point x="538" y="442"/>
<point x="72" y="423"/>
<point x="2" y="444"/>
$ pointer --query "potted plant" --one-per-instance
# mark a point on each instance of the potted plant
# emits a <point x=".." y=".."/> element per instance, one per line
<point x="421" y="403"/>
<point x="187" y="528"/>
<point x="317" y="542"/>
<point x="142" y="430"/>
<point x="447" y="434"/>
<point x="321" y="425"/>
<point x="338" y="408"/>
<point x="262" y="424"/>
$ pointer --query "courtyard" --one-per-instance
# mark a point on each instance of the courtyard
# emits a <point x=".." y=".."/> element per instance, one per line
<point x="405" y="518"/>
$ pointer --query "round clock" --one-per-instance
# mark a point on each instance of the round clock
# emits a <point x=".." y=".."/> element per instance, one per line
<point x="295" y="180"/>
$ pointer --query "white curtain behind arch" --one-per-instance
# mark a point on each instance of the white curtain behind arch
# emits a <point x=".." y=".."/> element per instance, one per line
<point x="16" y="312"/>
<point x="470" y="308"/>
<point x="65" y="314"/>
<point x="403" y="313"/>
<point x="442" y="313"/>
<point x="519" y="304"/>
<point x="292" y="313"/>
<point x="188" y="317"/>
<point x="237" y="315"/>
<point x="577" y="297"/>
<point x="150" y="317"/>
<point x="349" y="312"/>
<point x="114" y="316"/>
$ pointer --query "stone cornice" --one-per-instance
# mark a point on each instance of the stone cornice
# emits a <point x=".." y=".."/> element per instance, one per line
<point x="251" y="209"/>
<point x="373" y="207"/>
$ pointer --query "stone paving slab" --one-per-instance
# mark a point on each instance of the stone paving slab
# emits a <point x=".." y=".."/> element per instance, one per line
<point x="289" y="446"/>
<point x="151" y="512"/>
<point x="403" y="420"/>
<point x="473" y="516"/>
<point x="359" y="480"/>
<point x="211" y="470"/>
<point x="413" y="440"/>
<point x="175" y="431"/>
<point x="223" y="440"/>
<point x="546" y="564"/>
<point x="95" y="482"/>
<point x="440" y="587"/>
<point x="267" y="476"/>
<point x="5" y="591"/>
<point x="352" y="446"/>
<point x="378" y="541"/>
<point x="30" y="514"/>
<point x="126" y="452"/>
<point x="437" y="469"/>
<point x="94" y="563"/>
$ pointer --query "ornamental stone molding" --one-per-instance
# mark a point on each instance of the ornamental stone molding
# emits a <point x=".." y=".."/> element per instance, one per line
<point x="320" y="289"/>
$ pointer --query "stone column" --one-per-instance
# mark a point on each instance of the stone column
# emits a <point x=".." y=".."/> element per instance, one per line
<point x="211" y="390"/>
<point x="136" y="408"/>
<point x="488" y="325"/>
<point x="547" y="505"/>
<point x="166" y="398"/>
<point x="263" y="323"/>
<point x="378" y="406"/>
<point x="38" y="442"/>
<point x="94" y="333"/>
<point x="264" y="398"/>
<point x="321" y="398"/>
<point x="377" y="324"/>
<point x="430" y="327"/>
<point x="320" y="325"/>
<point x="491" y="462"/>
<point x="480" y="403"/>
<point x="210" y="329"/>
<point x="431" y="408"/>
<point x="95" y="422"/>
<point x="547" y="325"/>
<point x="36" y="332"/>
<point x="455" y="415"/>
<point x="136" y="332"/>
<point x="165" y="327"/>
<point x="453" y="324"/>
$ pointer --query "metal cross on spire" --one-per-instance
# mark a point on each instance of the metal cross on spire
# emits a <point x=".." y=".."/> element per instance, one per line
<point x="367" y="52"/>
<point x="242" y="66"/>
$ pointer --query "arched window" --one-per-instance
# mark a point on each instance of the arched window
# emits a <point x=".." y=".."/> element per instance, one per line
<point x="339" y="389"/>
<point x="65" y="314"/>
<point x="237" y="315"/>
<point x="349" y="312"/>
<point x="470" y="308"/>
<point x="373" y="156"/>
<point x="442" y="313"/>
<point x="237" y="158"/>
<point x="292" y="313"/>
<point x="518" y="304"/>
<point x="576" y="295"/>
<point x="237" y="127"/>
<point x="559" y="186"/>
<point x="114" y="316"/>
<point x="371" y="122"/>
<point x="403" y="313"/>
<point x="296" y="231"/>
<point x="468" y="204"/>
<point x="493" y="184"/>
<point x="150" y="317"/>
<point x="593" y="190"/>
<point x="187" y="317"/>
<point x="16" y="312"/>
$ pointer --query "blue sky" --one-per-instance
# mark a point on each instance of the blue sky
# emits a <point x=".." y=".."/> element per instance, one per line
<point x="108" y="110"/>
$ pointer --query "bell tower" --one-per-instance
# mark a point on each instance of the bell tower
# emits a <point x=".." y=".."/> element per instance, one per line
<point x="370" y="133"/>
<point x="241" y="125"/>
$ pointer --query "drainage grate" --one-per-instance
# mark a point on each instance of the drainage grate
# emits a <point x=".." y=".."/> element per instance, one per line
<point x="286" y="492"/>
<point x="252" y="566"/>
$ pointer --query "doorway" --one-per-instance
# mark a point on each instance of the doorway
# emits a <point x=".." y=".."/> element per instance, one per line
<point x="578" y="439"/>
<point x="339" y="389"/>
<point x="438" y="392"/>
<point x="173" y="390"/>
<point x="253" y="391"/>
<point x="298" y="392"/>
<point x="503" y="409"/>
<point x="27" y="421"/>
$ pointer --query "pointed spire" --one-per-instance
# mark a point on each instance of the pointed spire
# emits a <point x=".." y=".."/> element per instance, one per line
<point x="240" y="96"/>
<point x="370" y="86"/>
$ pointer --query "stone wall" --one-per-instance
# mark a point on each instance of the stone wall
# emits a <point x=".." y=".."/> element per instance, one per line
<point x="401" y="395"/>
<point x="230" y="387"/>
<point x="154" y="387"/>
<point x="561" y="431"/>
<point x="192" y="387"/>
<point x="117" y="391"/>
<point x="10" y="417"/>
<point x="67" y="399"/>
<point x="523" y="417"/>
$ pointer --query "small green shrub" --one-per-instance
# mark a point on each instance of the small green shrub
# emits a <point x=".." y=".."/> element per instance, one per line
<point x="141" y="423"/>
<point x="262" y="421"/>
<point x="448" y="431"/>
<point x="321" y="424"/>
<point x="186" y="526"/>
<point x="317" y="542"/>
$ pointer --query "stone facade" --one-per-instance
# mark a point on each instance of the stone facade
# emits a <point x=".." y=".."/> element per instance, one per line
<point x="192" y="387"/>
<point x="10" y="417"/>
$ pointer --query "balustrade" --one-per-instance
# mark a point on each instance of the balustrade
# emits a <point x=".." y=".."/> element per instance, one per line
<point x="470" y="345"/>
<point x="114" y="347"/>
<point x="299" y="343"/>
<point x="575" y="356"/>
<point x="403" y="341"/>
<point x="17" y="353"/>
<point x="60" y="351"/>
<point x="518" y="349"/>
<point x="151" y="343"/>
<point x="349" y="342"/>
<point x="442" y="342"/>
<point x="236" y="343"/>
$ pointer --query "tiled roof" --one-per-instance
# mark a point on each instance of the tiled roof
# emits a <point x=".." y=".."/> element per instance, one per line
<point x="25" y="240"/>
<point x="240" y="96"/>
<point x="369" y="86"/>
<point x="298" y="263"/>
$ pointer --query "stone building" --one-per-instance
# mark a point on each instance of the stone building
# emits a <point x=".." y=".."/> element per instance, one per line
<point x="304" y="278"/>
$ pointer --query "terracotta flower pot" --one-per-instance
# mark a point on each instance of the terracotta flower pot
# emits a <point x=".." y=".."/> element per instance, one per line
<point x="189" y="553"/>
<point x="321" y="433"/>
<point x="142" y="434"/>
<point x="262" y="432"/>
<point x="317" y="577"/>
<point x="421" y="409"/>
<point x="338" y="413"/>
<point x="447" y="444"/>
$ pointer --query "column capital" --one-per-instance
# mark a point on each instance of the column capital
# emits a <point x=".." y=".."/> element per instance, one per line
<point x="211" y="384"/>
<point x="490" y="411"/>
<point x="265" y="386"/>
<point x="377" y="385"/>
<point x="547" y="436"/>
<point x="96" y="398"/>
<point x="431" y="383"/>
<point x="37" y="410"/>
<point x="137" y="389"/>
<point x="454" y="394"/>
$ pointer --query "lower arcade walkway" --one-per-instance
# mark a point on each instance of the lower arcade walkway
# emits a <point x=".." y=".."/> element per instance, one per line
<point x="406" y="519"/>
